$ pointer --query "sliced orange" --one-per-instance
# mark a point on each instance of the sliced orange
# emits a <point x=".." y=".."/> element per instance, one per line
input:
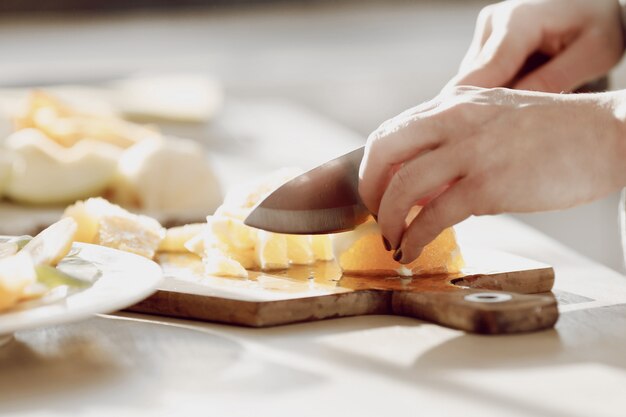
<point x="361" y="252"/>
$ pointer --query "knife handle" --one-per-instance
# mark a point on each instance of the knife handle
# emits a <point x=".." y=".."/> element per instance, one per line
<point x="486" y="312"/>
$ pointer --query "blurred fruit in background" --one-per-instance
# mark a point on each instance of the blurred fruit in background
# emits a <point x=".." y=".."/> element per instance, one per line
<point x="75" y="143"/>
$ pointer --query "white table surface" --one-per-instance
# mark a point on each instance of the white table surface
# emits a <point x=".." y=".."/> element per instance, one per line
<point x="129" y="364"/>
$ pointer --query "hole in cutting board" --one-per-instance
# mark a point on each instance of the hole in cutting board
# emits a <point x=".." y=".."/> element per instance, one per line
<point x="486" y="297"/>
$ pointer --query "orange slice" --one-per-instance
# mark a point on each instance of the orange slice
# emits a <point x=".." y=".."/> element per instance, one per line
<point x="361" y="252"/>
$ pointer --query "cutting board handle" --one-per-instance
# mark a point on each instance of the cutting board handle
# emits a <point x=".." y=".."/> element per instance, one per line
<point x="487" y="312"/>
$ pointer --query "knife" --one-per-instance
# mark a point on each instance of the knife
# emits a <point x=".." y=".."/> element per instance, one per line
<point x="323" y="200"/>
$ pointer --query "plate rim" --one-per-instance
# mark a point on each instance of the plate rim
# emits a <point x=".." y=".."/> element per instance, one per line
<point x="152" y="276"/>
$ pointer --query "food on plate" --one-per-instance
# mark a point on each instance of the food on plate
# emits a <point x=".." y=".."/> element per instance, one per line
<point x="106" y="224"/>
<point x="14" y="245"/>
<point x="44" y="172"/>
<point x="25" y="268"/>
<point x="53" y="243"/>
<point x="170" y="175"/>
<point x="67" y="125"/>
<point x="177" y="97"/>
<point x="59" y="154"/>
<point x="17" y="272"/>
<point x="8" y="249"/>
<point x="361" y="252"/>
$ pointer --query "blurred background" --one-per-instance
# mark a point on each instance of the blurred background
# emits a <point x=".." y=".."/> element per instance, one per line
<point x="346" y="65"/>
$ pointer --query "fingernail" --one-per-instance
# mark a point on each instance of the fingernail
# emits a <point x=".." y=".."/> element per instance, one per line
<point x="408" y="261"/>
<point x="386" y="244"/>
<point x="397" y="255"/>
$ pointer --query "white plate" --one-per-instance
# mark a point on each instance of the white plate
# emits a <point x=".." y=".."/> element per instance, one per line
<point x="123" y="279"/>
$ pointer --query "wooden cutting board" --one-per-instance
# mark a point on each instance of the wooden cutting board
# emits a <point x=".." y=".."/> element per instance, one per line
<point x="496" y="293"/>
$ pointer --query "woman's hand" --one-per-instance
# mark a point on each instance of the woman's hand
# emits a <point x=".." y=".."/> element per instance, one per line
<point x="487" y="151"/>
<point x="583" y="38"/>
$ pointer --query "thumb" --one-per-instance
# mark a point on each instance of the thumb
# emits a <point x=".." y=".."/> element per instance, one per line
<point x="570" y="69"/>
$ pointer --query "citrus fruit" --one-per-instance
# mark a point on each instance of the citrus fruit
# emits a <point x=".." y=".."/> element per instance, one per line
<point x="361" y="252"/>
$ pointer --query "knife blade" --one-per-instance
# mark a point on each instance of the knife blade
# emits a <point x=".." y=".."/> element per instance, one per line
<point x="323" y="200"/>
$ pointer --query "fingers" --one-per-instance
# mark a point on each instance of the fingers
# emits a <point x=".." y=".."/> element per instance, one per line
<point x="407" y="115"/>
<point x="481" y="34"/>
<point x="450" y="208"/>
<point x="502" y="56"/>
<point x="568" y="70"/>
<point x="392" y="144"/>
<point x="420" y="177"/>
<point x="413" y="111"/>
